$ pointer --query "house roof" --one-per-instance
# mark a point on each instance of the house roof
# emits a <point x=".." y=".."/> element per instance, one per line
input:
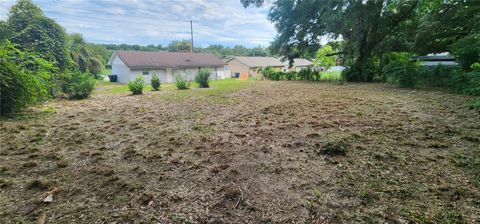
<point x="256" y="62"/>
<point x="164" y="59"/>
<point x="301" y="62"/>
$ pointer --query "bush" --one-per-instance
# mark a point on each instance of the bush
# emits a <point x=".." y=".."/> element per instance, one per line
<point x="292" y="75"/>
<point x="308" y="74"/>
<point x="78" y="85"/>
<point x="17" y="89"/>
<point x="181" y="82"/>
<point x="267" y="72"/>
<point x="25" y="79"/>
<point x="155" y="81"/>
<point x="402" y="72"/>
<point x="203" y="77"/>
<point x="473" y="82"/>
<point x="136" y="86"/>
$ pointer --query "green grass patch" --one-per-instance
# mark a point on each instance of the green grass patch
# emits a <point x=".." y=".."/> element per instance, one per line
<point x="216" y="86"/>
<point x="330" y="76"/>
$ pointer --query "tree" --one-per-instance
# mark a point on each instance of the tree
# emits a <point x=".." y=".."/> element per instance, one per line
<point x="362" y="24"/>
<point x="324" y="57"/>
<point x="179" y="46"/>
<point x="83" y="57"/>
<point x="449" y="26"/>
<point x="32" y="31"/>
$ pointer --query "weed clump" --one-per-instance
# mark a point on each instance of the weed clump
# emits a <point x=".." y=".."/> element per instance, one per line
<point x="39" y="184"/>
<point x="337" y="147"/>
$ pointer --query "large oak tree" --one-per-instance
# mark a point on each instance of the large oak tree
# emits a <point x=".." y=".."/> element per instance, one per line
<point x="362" y="24"/>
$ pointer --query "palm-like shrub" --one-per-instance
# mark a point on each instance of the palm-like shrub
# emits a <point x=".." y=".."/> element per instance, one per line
<point x="181" y="82"/>
<point x="136" y="86"/>
<point x="202" y="78"/>
<point x="155" y="82"/>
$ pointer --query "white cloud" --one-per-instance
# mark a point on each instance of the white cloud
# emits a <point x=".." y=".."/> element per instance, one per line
<point x="153" y="22"/>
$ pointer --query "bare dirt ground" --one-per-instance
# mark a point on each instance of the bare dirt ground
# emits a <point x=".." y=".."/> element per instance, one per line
<point x="271" y="152"/>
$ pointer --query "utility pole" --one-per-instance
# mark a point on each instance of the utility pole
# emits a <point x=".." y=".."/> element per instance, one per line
<point x="191" y="34"/>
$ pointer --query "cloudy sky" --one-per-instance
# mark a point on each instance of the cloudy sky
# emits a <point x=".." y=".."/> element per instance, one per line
<point x="146" y="22"/>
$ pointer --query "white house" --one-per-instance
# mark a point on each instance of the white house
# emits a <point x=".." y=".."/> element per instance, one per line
<point x="127" y="65"/>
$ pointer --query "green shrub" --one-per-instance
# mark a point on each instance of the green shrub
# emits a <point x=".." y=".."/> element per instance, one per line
<point x="473" y="81"/>
<point x="308" y="74"/>
<point x="78" y="85"/>
<point x="25" y="79"/>
<point x="136" y="86"/>
<point x="467" y="51"/>
<point x="267" y="72"/>
<point x="292" y="75"/>
<point x="401" y="70"/>
<point x="181" y="82"/>
<point x="17" y="89"/>
<point x="155" y="81"/>
<point x="203" y="77"/>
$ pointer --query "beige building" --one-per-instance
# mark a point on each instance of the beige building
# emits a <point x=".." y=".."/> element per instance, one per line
<point x="251" y="65"/>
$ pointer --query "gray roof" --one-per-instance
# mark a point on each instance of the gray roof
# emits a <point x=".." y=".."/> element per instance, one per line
<point x="164" y="59"/>
<point x="257" y="62"/>
<point x="435" y="58"/>
<point x="298" y="62"/>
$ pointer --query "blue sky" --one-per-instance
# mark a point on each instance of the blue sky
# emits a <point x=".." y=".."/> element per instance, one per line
<point x="146" y="22"/>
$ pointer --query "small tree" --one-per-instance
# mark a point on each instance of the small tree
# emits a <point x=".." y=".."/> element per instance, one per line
<point x="203" y="77"/>
<point x="136" y="86"/>
<point x="155" y="82"/>
<point x="181" y="82"/>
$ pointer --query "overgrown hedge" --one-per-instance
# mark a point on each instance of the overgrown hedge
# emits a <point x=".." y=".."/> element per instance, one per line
<point x="303" y="75"/>
<point x="402" y="71"/>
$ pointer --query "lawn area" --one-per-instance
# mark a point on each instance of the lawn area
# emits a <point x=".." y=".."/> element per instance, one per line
<point x="245" y="152"/>
<point x="216" y="86"/>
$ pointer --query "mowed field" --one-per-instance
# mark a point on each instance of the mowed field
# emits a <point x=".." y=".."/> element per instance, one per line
<point x="245" y="152"/>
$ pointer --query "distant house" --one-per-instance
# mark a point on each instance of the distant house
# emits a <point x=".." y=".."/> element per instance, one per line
<point x="299" y="64"/>
<point x="435" y="60"/>
<point x="129" y="64"/>
<point x="251" y="65"/>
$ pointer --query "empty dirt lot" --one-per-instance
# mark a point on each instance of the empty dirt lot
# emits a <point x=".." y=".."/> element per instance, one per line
<point x="265" y="152"/>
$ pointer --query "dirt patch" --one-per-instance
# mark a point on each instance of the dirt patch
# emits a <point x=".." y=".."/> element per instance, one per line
<point x="283" y="152"/>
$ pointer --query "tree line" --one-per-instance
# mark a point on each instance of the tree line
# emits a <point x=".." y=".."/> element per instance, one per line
<point x="185" y="46"/>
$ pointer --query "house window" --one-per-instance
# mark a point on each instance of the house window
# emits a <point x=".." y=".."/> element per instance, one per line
<point x="145" y="72"/>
